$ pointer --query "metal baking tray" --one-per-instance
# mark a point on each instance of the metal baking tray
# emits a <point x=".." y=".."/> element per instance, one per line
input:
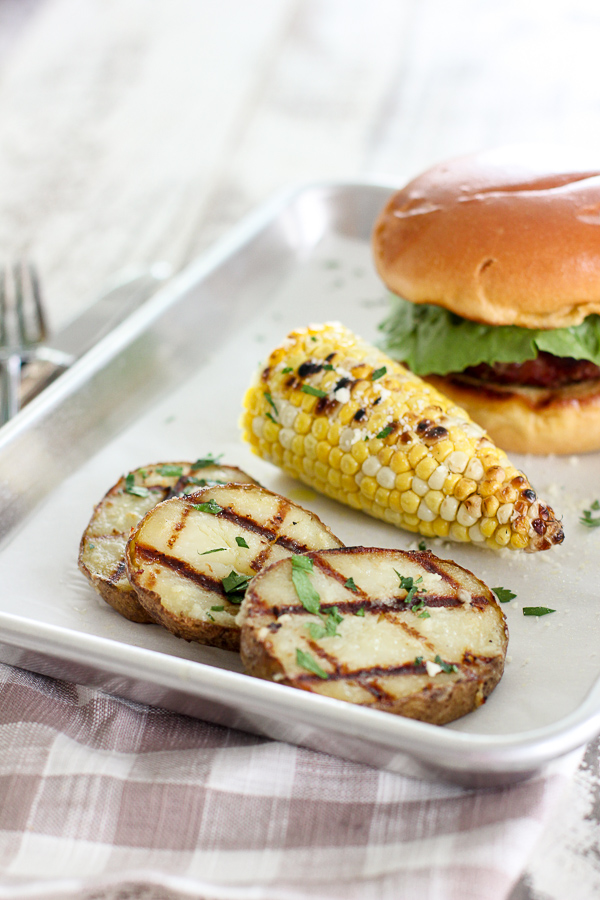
<point x="167" y="384"/>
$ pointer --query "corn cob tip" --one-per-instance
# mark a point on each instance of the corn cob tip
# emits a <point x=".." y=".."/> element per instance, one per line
<point x="344" y="418"/>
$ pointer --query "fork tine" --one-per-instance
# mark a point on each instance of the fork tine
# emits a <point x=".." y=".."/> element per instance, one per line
<point x="28" y="303"/>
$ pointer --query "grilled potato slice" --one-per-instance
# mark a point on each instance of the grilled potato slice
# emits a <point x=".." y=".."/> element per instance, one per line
<point x="191" y="558"/>
<point x="102" y="547"/>
<point x="404" y="632"/>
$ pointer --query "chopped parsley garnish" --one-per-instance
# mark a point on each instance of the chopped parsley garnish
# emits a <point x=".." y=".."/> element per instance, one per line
<point x="138" y="490"/>
<point x="537" y="610"/>
<point x="328" y="629"/>
<point x="302" y="566"/>
<point x="422" y="545"/>
<point x="313" y="391"/>
<point x="240" y="541"/>
<point x="234" y="583"/>
<point x="271" y="403"/>
<point x="360" y="612"/>
<point x="309" y="663"/>
<point x="408" y="584"/>
<point x="272" y="418"/>
<point x="211" y="506"/>
<point x="216" y="550"/>
<point x="206" y="461"/>
<point x="287" y="370"/>
<point x="504" y="594"/>
<point x="445" y="667"/>
<point x="349" y="583"/>
<point x="418" y="661"/>
<point x="175" y="471"/>
<point x="385" y="431"/>
<point x="587" y="519"/>
<point x="217" y="608"/>
<point x="328" y="367"/>
<point x="378" y="373"/>
<point x="425" y="614"/>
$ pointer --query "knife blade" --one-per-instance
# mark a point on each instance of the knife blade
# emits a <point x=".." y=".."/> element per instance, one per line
<point x="94" y="323"/>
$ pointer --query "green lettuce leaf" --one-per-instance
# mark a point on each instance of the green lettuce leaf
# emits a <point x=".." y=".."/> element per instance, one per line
<point x="434" y="341"/>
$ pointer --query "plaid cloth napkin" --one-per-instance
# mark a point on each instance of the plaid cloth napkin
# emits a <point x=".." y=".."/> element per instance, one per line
<point x="105" y="799"/>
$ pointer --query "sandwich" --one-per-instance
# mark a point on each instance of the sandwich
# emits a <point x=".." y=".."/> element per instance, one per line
<point x="493" y="261"/>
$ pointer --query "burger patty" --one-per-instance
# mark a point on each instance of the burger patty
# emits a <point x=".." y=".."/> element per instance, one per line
<point x="545" y="370"/>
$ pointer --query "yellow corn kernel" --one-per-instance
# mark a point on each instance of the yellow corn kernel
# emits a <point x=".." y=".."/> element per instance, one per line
<point x="270" y="431"/>
<point x="374" y="445"/>
<point x="490" y="506"/>
<point x="354" y="500"/>
<point x="321" y="470"/>
<point x="277" y="454"/>
<point x="310" y="445"/>
<point x="335" y="457"/>
<point x="434" y="499"/>
<point x="459" y="532"/>
<point x="404" y="481"/>
<point x="450" y="483"/>
<point x="348" y="464"/>
<point x="320" y="427"/>
<point x="368" y="487"/>
<point x="441" y="527"/>
<point x="508" y="494"/>
<point x="323" y="451"/>
<point x="464" y="488"/>
<point x="426" y="467"/>
<point x="349" y="484"/>
<point x="441" y="450"/>
<point x="409" y="502"/>
<point x="333" y="434"/>
<point x="296" y="398"/>
<point x="382" y="496"/>
<point x="502" y="535"/>
<point x="488" y="526"/>
<point x="416" y="454"/>
<point x="385" y="455"/>
<point x="308" y="466"/>
<point x="298" y="445"/>
<point x="395" y="500"/>
<point x="360" y="451"/>
<point x="308" y="403"/>
<point x="334" y="478"/>
<point x="519" y="541"/>
<point x="302" y="424"/>
<point x="346" y="413"/>
<point x="411" y="522"/>
<point x="399" y="462"/>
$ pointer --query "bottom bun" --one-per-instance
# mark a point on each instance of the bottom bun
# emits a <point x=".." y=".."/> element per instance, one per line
<point x="530" y="419"/>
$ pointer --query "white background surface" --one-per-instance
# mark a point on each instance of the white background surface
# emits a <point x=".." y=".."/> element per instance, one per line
<point x="133" y="131"/>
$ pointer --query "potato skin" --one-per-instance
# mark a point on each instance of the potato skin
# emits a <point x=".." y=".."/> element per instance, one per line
<point x="436" y="700"/>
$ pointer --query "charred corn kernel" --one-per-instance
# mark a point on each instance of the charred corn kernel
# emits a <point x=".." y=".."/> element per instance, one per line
<point x="409" y="502"/>
<point x="490" y="506"/>
<point x="464" y="488"/>
<point x="502" y="535"/>
<point x="395" y="447"/>
<point x="426" y="468"/>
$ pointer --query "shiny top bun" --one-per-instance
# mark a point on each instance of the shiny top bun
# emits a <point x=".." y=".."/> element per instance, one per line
<point x="504" y="237"/>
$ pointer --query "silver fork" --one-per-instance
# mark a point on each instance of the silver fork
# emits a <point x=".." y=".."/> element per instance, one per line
<point x="22" y="330"/>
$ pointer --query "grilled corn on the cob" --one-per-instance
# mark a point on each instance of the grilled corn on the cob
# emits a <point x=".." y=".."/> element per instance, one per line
<point x="343" y="417"/>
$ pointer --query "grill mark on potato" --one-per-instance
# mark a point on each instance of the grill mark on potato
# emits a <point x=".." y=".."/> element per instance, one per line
<point x="264" y="531"/>
<point x="117" y="572"/>
<point x="152" y="555"/>
<point x="376" y="689"/>
<point x="177" y="529"/>
<point x="390" y="604"/>
<point x="361" y="675"/>
<point x="330" y="571"/>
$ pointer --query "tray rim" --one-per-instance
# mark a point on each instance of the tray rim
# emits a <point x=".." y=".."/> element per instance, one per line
<point x="524" y="752"/>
